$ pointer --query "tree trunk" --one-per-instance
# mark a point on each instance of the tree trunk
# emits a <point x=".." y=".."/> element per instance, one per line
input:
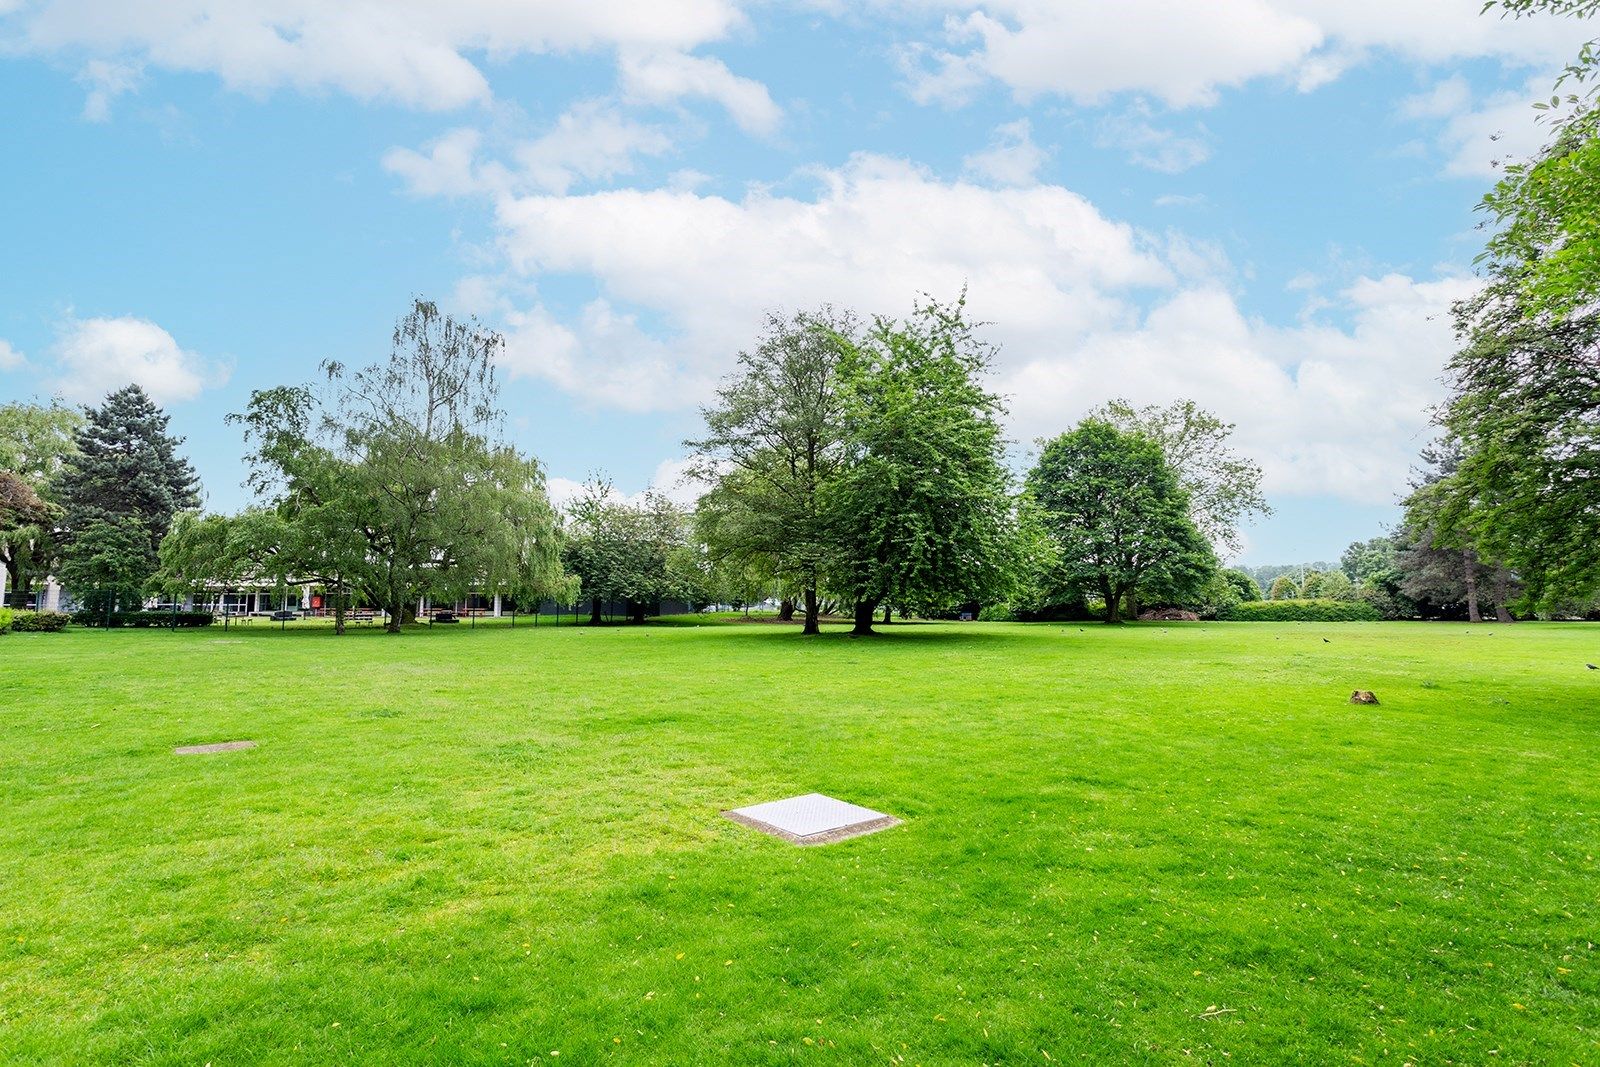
<point x="866" y="610"/>
<point x="1113" y="598"/>
<point x="635" y="613"/>
<point x="338" y="615"/>
<point x="1501" y="613"/>
<point x="1133" y="603"/>
<point x="887" y="614"/>
<point x="594" y="611"/>
<point x="395" y="610"/>
<point x="1470" y="569"/>
<point x="786" y="611"/>
<point x="813" y="626"/>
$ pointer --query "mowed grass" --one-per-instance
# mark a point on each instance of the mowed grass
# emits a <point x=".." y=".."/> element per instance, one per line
<point x="1134" y="845"/>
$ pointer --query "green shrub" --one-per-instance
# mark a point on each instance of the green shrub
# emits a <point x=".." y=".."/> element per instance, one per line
<point x="39" y="622"/>
<point x="1300" y="611"/>
<point x="1001" y="612"/>
<point x="144" y="618"/>
<point x="5" y="619"/>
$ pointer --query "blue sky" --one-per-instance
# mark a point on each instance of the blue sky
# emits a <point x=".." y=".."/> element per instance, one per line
<point x="1266" y="205"/>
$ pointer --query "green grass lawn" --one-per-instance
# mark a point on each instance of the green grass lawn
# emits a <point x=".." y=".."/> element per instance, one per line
<point x="492" y="846"/>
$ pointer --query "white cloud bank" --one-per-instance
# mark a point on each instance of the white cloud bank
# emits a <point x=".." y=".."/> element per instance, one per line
<point x="417" y="53"/>
<point x="1085" y="308"/>
<point x="1185" y="53"/>
<point x="95" y="356"/>
<point x="429" y="54"/>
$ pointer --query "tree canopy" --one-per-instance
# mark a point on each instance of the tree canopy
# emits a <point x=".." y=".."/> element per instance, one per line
<point x="1224" y="487"/>
<point x="920" y="512"/>
<point x="631" y="553"/>
<point x="1525" y="403"/>
<point x="1117" y="512"/>
<point x="774" y="440"/>
<point x="388" y="480"/>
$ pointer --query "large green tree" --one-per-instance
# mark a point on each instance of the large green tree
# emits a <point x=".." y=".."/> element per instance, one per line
<point x="390" y="480"/>
<point x="1443" y="558"/>
<point x="36" y="440"/>
<point x="632" y="553"/>
<point x="110" y="565"/>
<point x="1224" y="487"/>
<point x="1118" y="514"/>
<point x="773" y="443"/>
<point x="919" y="515"/>
<point x="124" y="471"/>
<point x="1525" y="404"/>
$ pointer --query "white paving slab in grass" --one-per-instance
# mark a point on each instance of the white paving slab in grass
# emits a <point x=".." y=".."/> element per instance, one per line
<point x="812" y="819"/>
<point x="221" y="746"/>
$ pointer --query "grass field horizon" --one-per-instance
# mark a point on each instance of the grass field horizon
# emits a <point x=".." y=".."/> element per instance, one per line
<point x="1138" y="844"/>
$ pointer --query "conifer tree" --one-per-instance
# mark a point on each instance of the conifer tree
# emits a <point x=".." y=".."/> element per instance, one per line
<point x="127" y="467"/>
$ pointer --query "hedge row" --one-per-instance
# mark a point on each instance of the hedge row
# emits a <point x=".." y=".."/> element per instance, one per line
<point x="38" y="622"/>
<point x="1300" y="611"/>
<point x="144" y="618"/>
<point x="5" y="619"/>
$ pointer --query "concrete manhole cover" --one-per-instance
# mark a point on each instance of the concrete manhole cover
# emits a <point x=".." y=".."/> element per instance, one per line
<point x="221" y="746"/>
<point x="812" y="819"/>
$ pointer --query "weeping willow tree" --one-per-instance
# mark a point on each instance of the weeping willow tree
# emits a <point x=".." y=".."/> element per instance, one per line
<point x="393" y="480"/>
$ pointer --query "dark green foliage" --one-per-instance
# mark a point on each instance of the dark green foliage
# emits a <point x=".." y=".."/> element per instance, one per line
<point x="1224" y="488"/>
<point x="1300" y="611"/>
<point x="1118" y="517"/>
<point x="39" y="622"/>
<point x="109" y="563"/>
<point x="1244" y="586"/>
<point x="773" y="441"/>
<point x="144" y="619"/>
<point x="632" y="553"/>
<point x="126" y="468"/>
<point x="1439" y="555"/>
<point x="1525" y="408"/>
<point x="919" y="516"/>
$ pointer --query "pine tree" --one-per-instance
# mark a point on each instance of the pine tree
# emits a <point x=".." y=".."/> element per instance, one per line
<point x="127" y="470"/>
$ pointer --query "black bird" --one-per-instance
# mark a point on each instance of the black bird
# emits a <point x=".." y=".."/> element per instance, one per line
<point x="1592" y="667"/>
<point x="1326" y="641"/>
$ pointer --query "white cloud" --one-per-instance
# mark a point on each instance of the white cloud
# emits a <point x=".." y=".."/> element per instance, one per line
<point x="877" y="232"/>
<point x="670" y="480"/>
<point x="1476" y="134"/>
<point x="448" y="168"/>
<point x="1180" y="52"/>
<point x="412" y="52"/>
<point x="1324" y="409"/>
<point x="96" y="356"/>
<point x="10" y="358"/>
<point x="666" y="77"/>
<point x="591" y="141"/>
<point x="1011" y="158"/>
<point x="1150" y="146"/>
<point x="106" y="80"/>
<point x="1184" y="53"/>
<point x="1084" y="308"/>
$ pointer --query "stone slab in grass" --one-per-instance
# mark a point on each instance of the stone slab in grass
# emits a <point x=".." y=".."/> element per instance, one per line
<point x="812" y="819"/>
<point x="220" y="746"/>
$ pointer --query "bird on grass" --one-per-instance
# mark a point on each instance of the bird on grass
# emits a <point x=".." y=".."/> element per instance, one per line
<point x="1326" y="641"/>
<point x="1592" y="667"/>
